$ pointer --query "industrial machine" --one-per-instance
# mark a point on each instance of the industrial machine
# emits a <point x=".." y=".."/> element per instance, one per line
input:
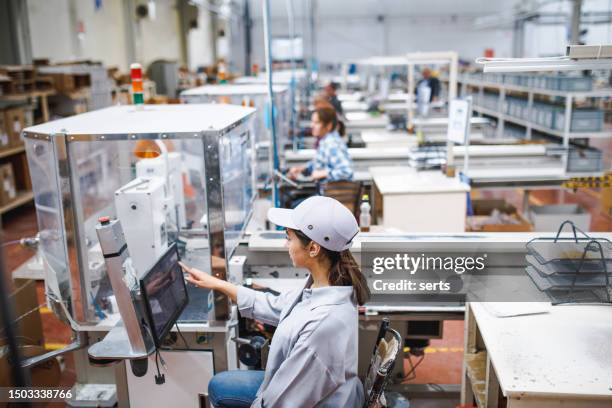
<point x="168" y="181"/>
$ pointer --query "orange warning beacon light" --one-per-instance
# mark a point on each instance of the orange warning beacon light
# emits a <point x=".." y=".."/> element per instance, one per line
<point x="137" y="88"/>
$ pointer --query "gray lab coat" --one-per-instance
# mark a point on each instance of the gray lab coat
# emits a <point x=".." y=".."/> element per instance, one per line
<point x="313" y="356"/>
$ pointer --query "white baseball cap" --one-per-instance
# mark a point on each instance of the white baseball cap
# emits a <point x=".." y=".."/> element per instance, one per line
<point x="324" y="220"/>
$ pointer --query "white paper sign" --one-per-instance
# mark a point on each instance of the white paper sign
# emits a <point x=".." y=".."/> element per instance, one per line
<point x="458" y="121"/>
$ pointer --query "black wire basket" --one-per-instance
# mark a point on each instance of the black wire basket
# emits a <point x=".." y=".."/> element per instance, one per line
<point x="574" y="269"/>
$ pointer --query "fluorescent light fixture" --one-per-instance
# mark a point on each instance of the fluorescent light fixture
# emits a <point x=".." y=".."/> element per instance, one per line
<point x="589" y="51"/>
<point x="385" y="61"/>
<point x="542" y="64"/>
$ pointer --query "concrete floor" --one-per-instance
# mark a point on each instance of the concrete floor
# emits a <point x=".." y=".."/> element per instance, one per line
<point x="442" y="364"/>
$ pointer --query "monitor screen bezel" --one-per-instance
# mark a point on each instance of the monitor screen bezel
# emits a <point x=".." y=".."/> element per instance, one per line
<point x="158" y="338"/>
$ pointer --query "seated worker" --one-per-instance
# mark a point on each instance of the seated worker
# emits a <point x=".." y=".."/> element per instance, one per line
<point x="332" y="97"/>
<point x="312" y="359"/>
<point x="332" y="161"/>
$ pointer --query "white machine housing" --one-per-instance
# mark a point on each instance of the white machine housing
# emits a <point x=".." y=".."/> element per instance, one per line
<point x="142" y="207"/>
<point x="167" y="166"/>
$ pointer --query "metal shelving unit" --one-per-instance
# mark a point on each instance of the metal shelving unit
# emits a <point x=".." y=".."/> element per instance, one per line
<point x="11" y="151"/>
<point x="566" y="134"/>
<point x="31" y="98"/>
<point x="23" y="197"/>
<point x="539" y="128"/>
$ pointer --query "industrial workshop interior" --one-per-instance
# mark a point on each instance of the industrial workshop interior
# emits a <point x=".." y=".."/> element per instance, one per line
<point x="306" y="203"/>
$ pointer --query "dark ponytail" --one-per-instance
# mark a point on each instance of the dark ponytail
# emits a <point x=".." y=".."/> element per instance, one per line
<point x="327" y="114"/>
<point x="344" y="270"/>
<point x="341" y="128"/>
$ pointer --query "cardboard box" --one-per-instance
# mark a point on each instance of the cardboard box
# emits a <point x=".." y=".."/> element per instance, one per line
<point x="66" y="83"/>
<point x="14" y="122"/>
<point x="62" y="82"/>
<point x="8" y="192"/>
<point x="5" y="141"/>
<point x="548" y="218"/>
<point x="24" y="300"/>
<point x="481" y="220"/>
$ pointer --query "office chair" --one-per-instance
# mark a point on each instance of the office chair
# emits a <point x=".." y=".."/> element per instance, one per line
<point x="381" y="365"/>
<point x="347" y="192"/>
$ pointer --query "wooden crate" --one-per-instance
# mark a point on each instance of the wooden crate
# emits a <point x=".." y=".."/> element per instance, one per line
<point x="8" y="189"/>
<point x="14" y="119"/>
<point x="6" y="85"/>
<point x="67" y="83"/>
<point x="22" y="78"/>
<point x="5" y="140"/>
<point x="44" y="83"/>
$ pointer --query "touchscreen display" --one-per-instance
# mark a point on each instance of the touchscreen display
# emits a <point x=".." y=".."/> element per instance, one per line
<point x="165" y="293"/>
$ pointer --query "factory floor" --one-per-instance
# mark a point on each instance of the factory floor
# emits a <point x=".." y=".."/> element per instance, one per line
<point x="442" y="363"/>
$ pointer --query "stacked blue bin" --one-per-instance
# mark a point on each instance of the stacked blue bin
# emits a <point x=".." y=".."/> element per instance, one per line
<point x="582" y="120"/>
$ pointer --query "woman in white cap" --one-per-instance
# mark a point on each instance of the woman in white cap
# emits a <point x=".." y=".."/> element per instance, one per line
<point x="313" y="355"/>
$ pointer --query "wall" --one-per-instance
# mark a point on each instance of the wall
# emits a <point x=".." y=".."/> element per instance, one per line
<point x="200" y="42"/>
<point x="349" y="38"/>
<point x="104" y="31"/>
<point x="159" y="38"/>
<point x="52" y="43"/>
<point x="345" y="31"/>
<point x="53" y="32"/>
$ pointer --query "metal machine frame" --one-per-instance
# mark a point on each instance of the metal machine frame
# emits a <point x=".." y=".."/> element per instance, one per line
<point x="58" y="164"/>
<point x="73" y="223"/>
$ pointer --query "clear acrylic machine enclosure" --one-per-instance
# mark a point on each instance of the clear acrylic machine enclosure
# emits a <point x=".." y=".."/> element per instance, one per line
<point x="169" y="173"/>
<point x="253" y="95"/>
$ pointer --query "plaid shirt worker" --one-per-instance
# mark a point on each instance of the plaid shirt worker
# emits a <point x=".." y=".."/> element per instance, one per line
<point x="332" y="155"/>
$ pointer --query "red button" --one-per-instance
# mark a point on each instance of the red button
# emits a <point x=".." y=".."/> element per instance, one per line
<point x="104" y="220"/>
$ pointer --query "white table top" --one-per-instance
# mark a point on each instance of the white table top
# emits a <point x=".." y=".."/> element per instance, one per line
<point x="352" y="96"/>
<point x="566" y="352"/>
<point x="403" y="105"/>
<point x="274" y="241"/>
<point x="232" y="89"/>
<point x="356" y="153"/>
<point x="398" y="97"/>
<point x="354" y="106"/>
<point x="407" y="180"/>
<point x="375" y="136"/>
<point x="488" y="151"/>
<point x="517" y="173"/>
<point x="361" y="118"/>
<point x="443" y="121"/>
<point x="388" y="138"/>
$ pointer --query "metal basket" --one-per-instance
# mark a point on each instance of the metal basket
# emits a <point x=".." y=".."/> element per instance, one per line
<point x="571" y="270"/>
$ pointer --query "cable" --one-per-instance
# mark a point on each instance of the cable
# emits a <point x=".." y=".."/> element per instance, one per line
<point x="412" y="373"/>
<point x="181" y="334"/>
<point x="14" y="242"/>
<point x="157" y="361"/>
<point x="159" y="378"/>
<point x="24" y="315"/>
<point x="30" y="341"/>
